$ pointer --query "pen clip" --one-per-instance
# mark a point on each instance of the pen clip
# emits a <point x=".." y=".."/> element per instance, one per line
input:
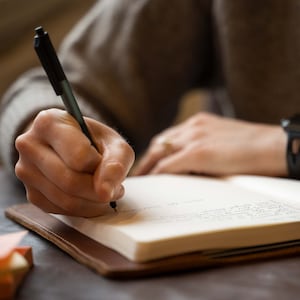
<point x="48" y="59"/>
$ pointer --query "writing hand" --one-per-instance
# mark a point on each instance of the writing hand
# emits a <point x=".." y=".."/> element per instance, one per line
<point x="63" y="173"/>
<point x="213" y="145"/>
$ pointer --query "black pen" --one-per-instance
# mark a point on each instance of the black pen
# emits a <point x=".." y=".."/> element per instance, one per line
<point x="59" y="81"/>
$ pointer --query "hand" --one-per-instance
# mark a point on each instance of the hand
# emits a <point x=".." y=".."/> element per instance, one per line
<point x="208" y="144"/>
<point x="63" y="173"/>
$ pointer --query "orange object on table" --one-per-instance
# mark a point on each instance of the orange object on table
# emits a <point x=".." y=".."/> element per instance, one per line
<point x="15" y="262"/>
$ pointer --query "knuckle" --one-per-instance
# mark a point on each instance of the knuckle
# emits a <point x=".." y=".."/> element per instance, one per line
<point x="22" y="143"/>
<point x="20" y="171"/>
<point x="200" y="118"/>
<point x="43" y="120"/>
<point x="155" y="140"/>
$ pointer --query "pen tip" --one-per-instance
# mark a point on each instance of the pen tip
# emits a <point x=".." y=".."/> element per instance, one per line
<point x="113" y="205"/>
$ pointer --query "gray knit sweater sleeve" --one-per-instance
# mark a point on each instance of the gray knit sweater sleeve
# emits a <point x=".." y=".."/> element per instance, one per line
<point x="29" y="95"/>
<point x="129" y="63"/>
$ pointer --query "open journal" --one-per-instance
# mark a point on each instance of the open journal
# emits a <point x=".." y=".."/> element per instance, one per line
<point x="165" y="215"/>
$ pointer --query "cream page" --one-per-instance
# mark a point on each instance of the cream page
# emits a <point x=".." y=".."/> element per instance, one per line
<point x="166" y="206"/>
<point x="282" y="188"/>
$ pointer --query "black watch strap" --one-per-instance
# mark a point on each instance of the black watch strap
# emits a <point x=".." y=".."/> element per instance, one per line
<point x="292" y="128"/>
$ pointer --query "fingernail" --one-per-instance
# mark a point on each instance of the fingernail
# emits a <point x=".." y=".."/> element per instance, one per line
<point x="120" y="192"/>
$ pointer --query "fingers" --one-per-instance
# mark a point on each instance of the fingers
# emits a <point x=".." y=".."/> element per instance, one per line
<point x="194" y="158"/>
<point x="34" y="155"/>
<point x="173" y="164"/>
<point x="61" y="132"/>
<point x="38" y="199"/>
<point x="72" y="206"/>
<point x="49" y="197"/>
<point x="117" y="159"/>
<point x="161" y="147"/>
<point x="178" y="152"/>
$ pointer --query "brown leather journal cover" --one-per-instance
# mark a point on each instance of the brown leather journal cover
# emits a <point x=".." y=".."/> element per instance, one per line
<point x="111" y="264"/>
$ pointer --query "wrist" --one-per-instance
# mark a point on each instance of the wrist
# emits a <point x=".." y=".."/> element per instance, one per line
<point x="273" y="143"/>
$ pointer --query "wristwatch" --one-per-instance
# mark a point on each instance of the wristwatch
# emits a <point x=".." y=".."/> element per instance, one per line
<point x="292" y="128"/>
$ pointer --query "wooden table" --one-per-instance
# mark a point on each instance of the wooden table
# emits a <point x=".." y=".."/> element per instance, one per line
<point x="57" y="276"/>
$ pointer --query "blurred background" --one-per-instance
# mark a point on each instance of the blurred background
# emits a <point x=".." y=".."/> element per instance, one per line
<point x="18" y="18"/>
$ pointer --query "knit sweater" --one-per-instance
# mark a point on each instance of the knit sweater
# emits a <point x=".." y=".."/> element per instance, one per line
<point x="131" y="61"/>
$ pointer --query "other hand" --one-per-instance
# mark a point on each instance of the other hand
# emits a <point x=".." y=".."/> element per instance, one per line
<point x="214" y="145"/>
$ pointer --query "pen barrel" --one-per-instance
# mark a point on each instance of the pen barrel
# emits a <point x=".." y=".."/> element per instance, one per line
<point x="73" y="108"/>
<point x="49" y="60"/>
